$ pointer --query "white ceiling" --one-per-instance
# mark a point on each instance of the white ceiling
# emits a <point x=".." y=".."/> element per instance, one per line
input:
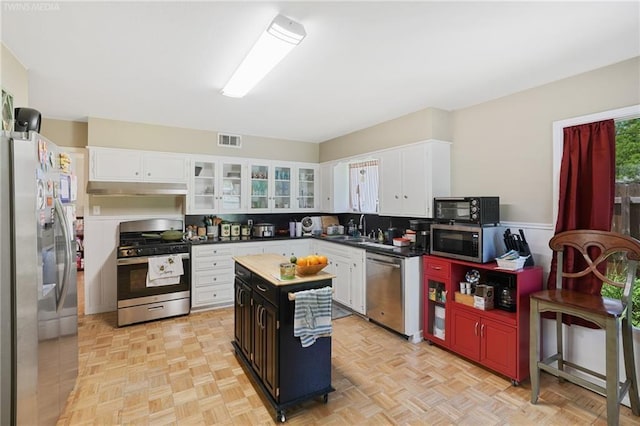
<point x="361" y="63"/>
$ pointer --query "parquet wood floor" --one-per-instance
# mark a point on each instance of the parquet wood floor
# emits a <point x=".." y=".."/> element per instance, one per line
<point x="183" y="371"/>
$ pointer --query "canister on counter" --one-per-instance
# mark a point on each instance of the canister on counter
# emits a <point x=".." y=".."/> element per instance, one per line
<point x="225" y="229"/>
<point x="245" y="230"/>
<point x="212" y="231"/>
<point x="235" y="229"/>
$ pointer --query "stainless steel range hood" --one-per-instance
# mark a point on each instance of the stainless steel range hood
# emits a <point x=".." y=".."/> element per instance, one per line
<point x="135" y="188"/>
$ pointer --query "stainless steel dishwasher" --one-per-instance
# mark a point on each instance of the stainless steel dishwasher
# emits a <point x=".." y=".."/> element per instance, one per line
<point x="385" y="293"/>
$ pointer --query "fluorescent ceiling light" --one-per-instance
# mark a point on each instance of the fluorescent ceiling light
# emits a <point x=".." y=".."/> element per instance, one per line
<point x="273" y="45"/>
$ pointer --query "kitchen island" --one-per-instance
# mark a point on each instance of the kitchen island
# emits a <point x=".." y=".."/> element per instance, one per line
<point x="284" y="371"/>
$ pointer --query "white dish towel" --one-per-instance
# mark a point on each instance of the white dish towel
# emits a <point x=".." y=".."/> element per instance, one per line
<point x="164" y="270"/>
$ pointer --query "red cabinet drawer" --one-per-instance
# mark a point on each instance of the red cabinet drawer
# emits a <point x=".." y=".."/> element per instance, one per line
<point x="434" y="267"/>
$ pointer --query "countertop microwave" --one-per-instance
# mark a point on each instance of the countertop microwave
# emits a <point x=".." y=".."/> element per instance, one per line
<point x="475" y="210"/>
<point x="479" y="244"/>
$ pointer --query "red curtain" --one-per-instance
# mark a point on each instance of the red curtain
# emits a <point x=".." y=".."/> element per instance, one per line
<point x="587" y="190"/>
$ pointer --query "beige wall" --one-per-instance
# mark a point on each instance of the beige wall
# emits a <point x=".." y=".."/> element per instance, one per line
<point x="504" y="147"/>
<point x="14" y="78"/>
<point x="122" y="134"/>
<point x="430" y="123"/>
<point x="65" y="133"/>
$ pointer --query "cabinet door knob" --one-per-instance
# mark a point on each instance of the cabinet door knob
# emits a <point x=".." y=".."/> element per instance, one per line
<point x="482" y="331"/>
<point x="405" y="197"/>
<point x="397" y="197"/>
<point x="475" y="329"/>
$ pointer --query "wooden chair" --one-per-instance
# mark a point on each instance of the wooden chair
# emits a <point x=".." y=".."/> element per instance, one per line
<point x="612" y="315"/>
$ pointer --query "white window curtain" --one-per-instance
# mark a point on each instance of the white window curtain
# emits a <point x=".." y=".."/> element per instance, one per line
<point x="363" y="186"/>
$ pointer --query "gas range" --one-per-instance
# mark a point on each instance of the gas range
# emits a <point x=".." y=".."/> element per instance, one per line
<point x="136" y="248"/>
<point x="142" y="238"/>
<point x="124" y="252"/>
<point x="141" y="296"/>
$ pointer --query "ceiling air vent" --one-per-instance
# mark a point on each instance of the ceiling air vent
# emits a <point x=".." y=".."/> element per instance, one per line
<point x="229" y="141"/>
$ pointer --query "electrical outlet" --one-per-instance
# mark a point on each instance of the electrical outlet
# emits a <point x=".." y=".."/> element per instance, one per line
<point x="96" y="210"/>
<point x="250" y="222"/>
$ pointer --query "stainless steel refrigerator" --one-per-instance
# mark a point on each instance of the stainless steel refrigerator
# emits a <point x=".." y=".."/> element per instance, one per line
<point x="38" y="297"/>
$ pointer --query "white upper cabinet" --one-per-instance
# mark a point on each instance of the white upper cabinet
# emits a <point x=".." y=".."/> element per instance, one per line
<point x="270" y="187"/>
<point x="161" y="167"/>
<point x="411" y="176"/>
<point x="326" y="187"/>
<point x="232" y="186"/>
<point x="127" y="165"/>
<point x="216" y="186"/>
<point x="307" y="187"/>
<point x="334" y="187"/>
<point x="203" y="187"/>
<point x="114" y="164"/>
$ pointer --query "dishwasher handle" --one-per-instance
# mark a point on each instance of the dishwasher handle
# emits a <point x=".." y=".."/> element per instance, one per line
<point x="380" y="262"/>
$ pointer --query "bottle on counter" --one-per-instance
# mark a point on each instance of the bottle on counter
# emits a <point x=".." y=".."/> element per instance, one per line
<point x="351" y="228"/>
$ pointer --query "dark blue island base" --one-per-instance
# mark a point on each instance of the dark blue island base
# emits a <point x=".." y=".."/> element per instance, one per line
<point x="285" y="373"/>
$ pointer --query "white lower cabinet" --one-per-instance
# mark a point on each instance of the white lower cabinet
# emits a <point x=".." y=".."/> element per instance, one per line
<point x="245" y="249"/>
<point x="348" y="265"/>
<point x="212" y="276"/>
<point x="288" y="248"/>
<point x="212" y="267"/>
<point x="358" y="280"/>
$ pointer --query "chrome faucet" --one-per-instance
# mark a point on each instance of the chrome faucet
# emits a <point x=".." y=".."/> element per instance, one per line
<point x="362" y="226"/>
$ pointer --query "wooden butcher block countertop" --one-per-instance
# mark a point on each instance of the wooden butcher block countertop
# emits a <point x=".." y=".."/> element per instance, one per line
<point x="268" y="267"/>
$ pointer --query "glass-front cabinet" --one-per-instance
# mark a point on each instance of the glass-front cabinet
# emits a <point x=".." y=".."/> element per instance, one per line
<point x="232" y="188"/>
<point x="271" y="187"/>
<point x="235" y="185"/>
<point x="282" y="187"/>
<point x="307" y="189"/>
<point x="216" y="186"/>
<point x="259" y="187"/>
<point x="202" y="194"/>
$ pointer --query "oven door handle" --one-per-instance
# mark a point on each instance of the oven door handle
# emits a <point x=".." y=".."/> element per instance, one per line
<point x="145" y="259"/>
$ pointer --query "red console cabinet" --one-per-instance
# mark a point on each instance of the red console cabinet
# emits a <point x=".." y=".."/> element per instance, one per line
<point x="495" y="338"/>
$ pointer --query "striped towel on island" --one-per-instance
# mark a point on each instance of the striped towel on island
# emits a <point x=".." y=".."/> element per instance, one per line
<point x="312" y="315"/>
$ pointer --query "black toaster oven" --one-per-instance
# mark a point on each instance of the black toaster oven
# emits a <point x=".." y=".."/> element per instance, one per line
<point x="472" y="210"/>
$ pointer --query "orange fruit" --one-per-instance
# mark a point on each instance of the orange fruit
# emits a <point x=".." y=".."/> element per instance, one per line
<point x="301" y="261"/>
<point x="313" y="260"/>
<point x="322" y="260"/>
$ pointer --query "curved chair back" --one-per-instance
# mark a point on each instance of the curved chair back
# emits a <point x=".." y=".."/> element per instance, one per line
<point x="607" y="244"/>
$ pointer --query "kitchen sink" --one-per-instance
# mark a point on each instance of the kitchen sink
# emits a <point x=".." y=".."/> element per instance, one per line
<point x="376" y="245"/>
<point x="347" y="238"/>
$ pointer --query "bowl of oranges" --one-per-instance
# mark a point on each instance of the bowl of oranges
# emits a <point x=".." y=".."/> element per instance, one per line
<point x="310" y="265"/>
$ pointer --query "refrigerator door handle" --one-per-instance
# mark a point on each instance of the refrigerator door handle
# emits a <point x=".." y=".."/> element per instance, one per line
<point x="62" y="218"/>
